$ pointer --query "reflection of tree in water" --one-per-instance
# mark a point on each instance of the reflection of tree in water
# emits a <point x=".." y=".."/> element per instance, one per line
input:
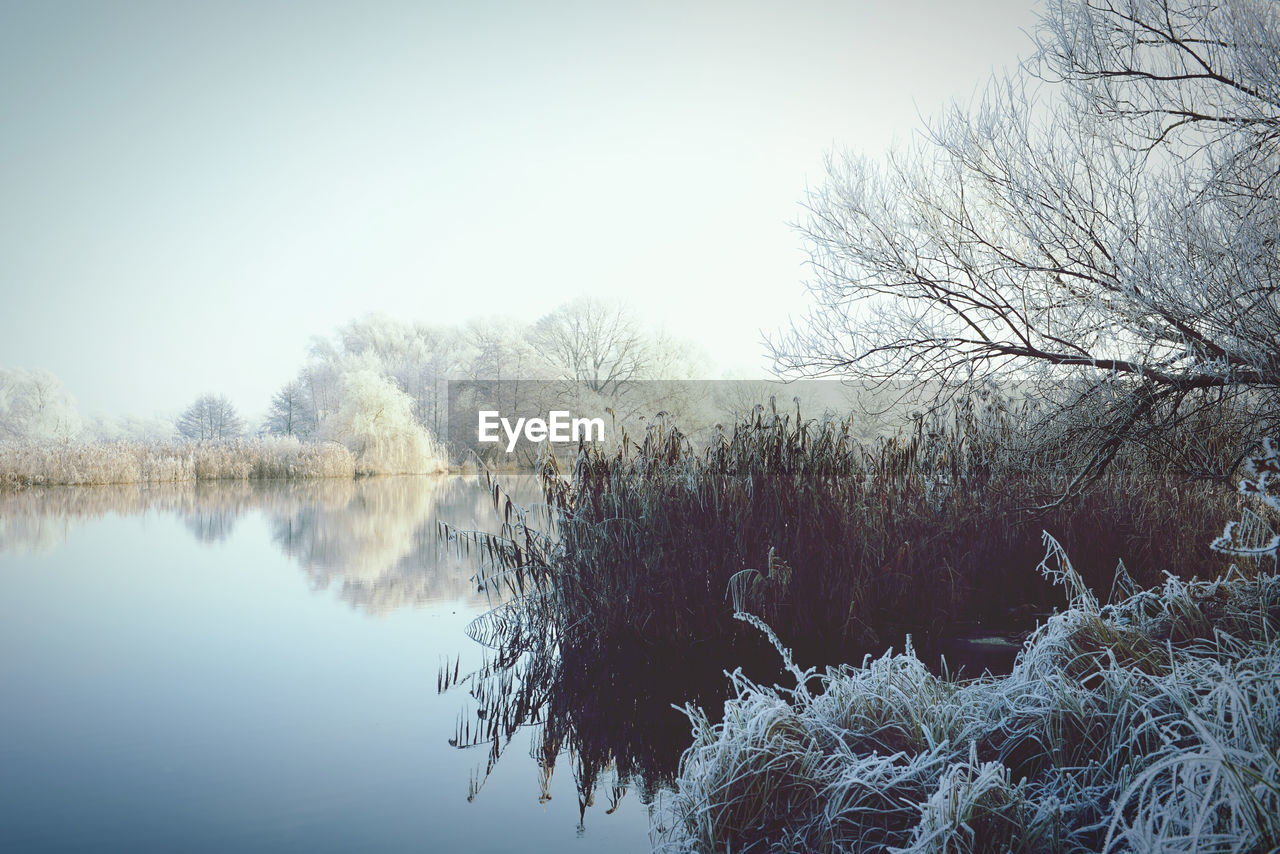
<point x="379" y="544"/>
<point x="212" y="512"/>
<point x="374" y="539"/>
<point x="32" y="534"/>
<point x="41" y="518"/>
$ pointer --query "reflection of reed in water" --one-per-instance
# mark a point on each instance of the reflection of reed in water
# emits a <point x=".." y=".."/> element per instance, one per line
<point x="609" y="710"/>
<point x="604" y="703"/>
<point x="374" y="539"/>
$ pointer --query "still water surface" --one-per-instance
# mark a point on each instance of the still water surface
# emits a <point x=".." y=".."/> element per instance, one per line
<point x="236" y="667"/>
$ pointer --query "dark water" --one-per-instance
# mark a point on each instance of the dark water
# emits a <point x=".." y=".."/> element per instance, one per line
<point x="241" y="668"/>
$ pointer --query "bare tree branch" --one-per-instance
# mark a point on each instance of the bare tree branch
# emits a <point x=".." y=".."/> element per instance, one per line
<point x="1117" y="232"/>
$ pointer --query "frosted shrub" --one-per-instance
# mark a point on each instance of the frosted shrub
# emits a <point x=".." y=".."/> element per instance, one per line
<point x="976" y="801"/>
<point x="34" y="407"/>
<point x="375" y="421"/>
<point x="1148" y="725"/>
<point x="1254" y="534"/>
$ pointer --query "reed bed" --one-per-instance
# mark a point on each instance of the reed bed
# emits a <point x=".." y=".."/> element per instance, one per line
<point x="847" y="547"/>
<point x="74" y="464"/>
<point x="647" y="551"/>
<point x="1152" y="724"/>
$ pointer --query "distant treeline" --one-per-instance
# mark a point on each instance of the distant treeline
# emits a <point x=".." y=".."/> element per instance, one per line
<point x="377" y="386"/>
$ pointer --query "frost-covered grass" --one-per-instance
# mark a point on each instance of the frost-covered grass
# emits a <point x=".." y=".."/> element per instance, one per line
<point x="67" y="463"/>
<point x="1148" y="725"/>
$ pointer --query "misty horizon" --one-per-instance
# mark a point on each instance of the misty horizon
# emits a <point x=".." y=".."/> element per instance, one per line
<point x="194" y="194"/>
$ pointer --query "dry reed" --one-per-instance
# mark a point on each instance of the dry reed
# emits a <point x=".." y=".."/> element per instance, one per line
<point x="74" y="464"/>
<point x="846" y="547"/>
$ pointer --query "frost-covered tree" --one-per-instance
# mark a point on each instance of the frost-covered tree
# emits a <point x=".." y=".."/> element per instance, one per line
<point x="599" y="344"/>
<point x="501" y="349"/>
<point x="34" y="407"/>
<point x="321" y="387"/>
<point x="443" y="352"/>
<point x="127" y="428"/>
<point x="291" y="412"/>
<point x="419" y="358"/>
<point x="210" y="418"/>
<point x="1099" y="230"/>
<point x="375" y="421"/>
<point x="499" y="359"/>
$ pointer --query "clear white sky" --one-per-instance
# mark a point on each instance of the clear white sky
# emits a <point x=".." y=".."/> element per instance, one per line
<point x="190" y="191"/>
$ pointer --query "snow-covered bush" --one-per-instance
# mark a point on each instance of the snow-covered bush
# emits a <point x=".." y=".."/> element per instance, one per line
<point x="375" y="421"/>
<point x="1254" y="534"/>
<point x="34" y="407"/>
<point x="1149" y="725"/>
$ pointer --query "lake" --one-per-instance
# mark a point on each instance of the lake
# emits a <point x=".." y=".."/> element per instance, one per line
<point x="254" y="667"/>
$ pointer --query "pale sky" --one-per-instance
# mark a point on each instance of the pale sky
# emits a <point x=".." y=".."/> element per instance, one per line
<point x="190" y="191"/>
